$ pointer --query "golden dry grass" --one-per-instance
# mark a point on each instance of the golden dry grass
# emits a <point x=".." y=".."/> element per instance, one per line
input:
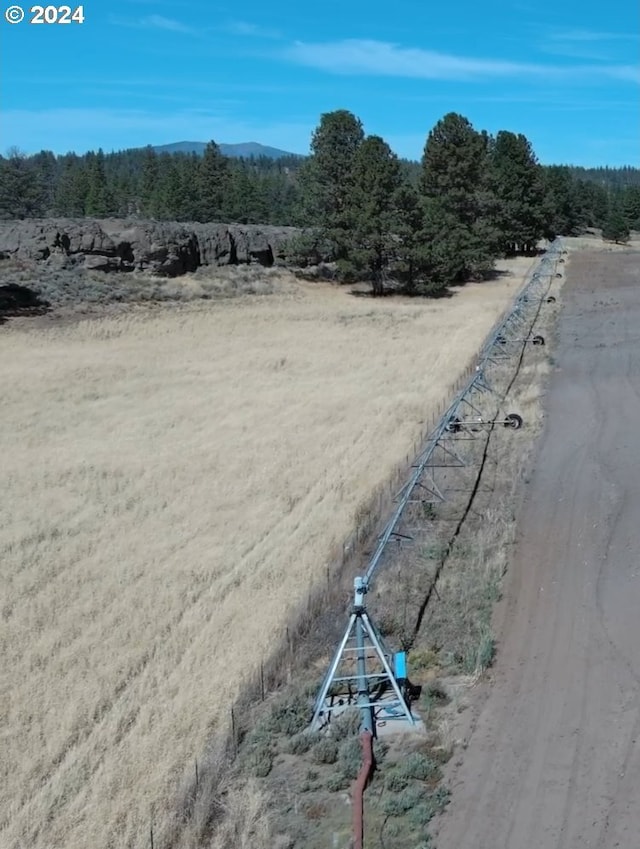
<point x="172" y="485"/>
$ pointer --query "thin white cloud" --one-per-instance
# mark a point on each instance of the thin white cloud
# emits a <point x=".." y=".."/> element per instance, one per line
<point x="585" y="35"/>
<point x="160" y="22"/>
<point x="377" y="58"/>
<point x="244" y="28"/>
<point x="588" y="45"/>
<point x="154" y="22"/>
<point x="625" y="73"/>
<point x="356" y="56"/>
<point x="584" y="50"/>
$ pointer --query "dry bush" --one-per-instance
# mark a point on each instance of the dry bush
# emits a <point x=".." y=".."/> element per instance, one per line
<point x="76" y="288"/>
<point x="246" y="824"/>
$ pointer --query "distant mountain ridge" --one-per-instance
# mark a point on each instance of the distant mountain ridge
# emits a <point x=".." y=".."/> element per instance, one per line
<point x="244" y="149"/>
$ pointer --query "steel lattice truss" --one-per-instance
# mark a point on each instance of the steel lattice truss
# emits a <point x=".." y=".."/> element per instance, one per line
<point x="472" y="412"/>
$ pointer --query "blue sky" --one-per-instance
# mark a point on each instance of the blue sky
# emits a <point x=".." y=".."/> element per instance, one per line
<point x="136" y="72"/>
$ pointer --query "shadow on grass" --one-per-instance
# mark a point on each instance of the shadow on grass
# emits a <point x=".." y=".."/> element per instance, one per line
<point x="18" y="300"/>
<point x="400" y="293"/>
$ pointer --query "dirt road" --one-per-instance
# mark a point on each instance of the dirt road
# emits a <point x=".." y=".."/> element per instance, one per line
<point x="553" y="761"/>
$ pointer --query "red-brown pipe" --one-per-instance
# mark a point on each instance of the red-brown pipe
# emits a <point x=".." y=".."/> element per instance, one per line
<point x="366" y="740"/>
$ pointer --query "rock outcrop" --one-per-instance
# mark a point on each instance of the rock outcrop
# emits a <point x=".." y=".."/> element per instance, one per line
<point x="161" y="248"/>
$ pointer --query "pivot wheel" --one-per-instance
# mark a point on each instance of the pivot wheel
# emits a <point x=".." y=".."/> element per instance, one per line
<point x="551" y="299"/>
<point x="537" y="340"/>
<point x="513" y="420"/>
<point x="453" y="425"/>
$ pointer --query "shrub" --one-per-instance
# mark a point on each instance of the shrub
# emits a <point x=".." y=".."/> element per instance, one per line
<point x="350" y="758"/>
<point x="420" y="767"/>
<point x="290" y="716"/>
<point x="346" y="724"/>
<point x="481" y="656"/>
<point x="395" y="781"/>
<point x="300" y="744"/>
<point x="380" y="749"/>
<point x="325" y="751"/>
<point x="421" y="659"/>
<point x="430" y="805"/>
<point x="259" y="759"/>
<point x="399" y="803"/>
<point x="336" y="782"/>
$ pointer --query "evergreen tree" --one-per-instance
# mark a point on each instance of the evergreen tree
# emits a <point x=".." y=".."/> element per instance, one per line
<point x="175" y="197"/>
<point x="45" y="166"/>
<point x="409" y="227"/>
<point x="615" y="227"/>
<point x="72" y="187"/>
<point x="631" y="206"/>
<point x="149" y="183"/>
<point x="214" y="185"/>
<point x="515" y="181"/>
<point x="21" y="190"/>
<point x="99" y="201"/>
<point x="327" y="179"/>
<point x="459" y="239"/>
<point x="591" y="202"/>
<point x="563" y="211"/>
<point x="453" y="166"/>
<point x="376" y="180"/>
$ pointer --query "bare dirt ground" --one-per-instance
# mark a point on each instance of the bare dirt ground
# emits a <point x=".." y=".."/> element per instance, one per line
<point x="174" y="484"/>
<point x="553" y="751"/>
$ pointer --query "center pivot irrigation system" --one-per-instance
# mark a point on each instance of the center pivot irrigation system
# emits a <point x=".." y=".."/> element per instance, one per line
<point x="364" y="673"/>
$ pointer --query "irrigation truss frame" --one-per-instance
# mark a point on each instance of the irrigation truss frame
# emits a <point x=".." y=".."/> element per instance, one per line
<point x="500" y="345"/>
<point x="442" y="450"/>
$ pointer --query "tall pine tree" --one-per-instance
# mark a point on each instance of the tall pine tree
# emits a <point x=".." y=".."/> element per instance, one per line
<point x="615" y="227"/>
<point x="22" y="192"/>
<point x="99" y="202"/>
<point x="376" y="181"/>
<point x="459" y="239"/>
<point x="213" y="185"/>
<point x="515" y="181"/>
<point x="327" y="178"/>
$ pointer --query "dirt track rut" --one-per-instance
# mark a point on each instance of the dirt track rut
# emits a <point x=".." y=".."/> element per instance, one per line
<point x="553" y="761"/>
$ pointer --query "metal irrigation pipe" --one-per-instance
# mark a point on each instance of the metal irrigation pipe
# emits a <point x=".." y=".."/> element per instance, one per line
<point x="476" y="380"/>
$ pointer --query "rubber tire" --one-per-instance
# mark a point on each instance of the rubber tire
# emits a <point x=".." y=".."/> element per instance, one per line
<point x="453" y="425"/>
<point x="551" y="299"/>
<point x="538" y="340"/>
<point x="501" y="340"/>
<point x="513" y="420"/>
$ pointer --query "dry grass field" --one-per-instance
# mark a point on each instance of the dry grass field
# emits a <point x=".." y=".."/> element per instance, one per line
<point x="173" y="482"/>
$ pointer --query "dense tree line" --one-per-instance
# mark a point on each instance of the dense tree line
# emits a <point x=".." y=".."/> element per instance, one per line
<point x="472" y="197"/>
<point x="141" y="182"/>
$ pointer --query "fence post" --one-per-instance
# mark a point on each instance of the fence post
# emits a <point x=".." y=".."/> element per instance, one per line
<point x="234" y="731"/>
